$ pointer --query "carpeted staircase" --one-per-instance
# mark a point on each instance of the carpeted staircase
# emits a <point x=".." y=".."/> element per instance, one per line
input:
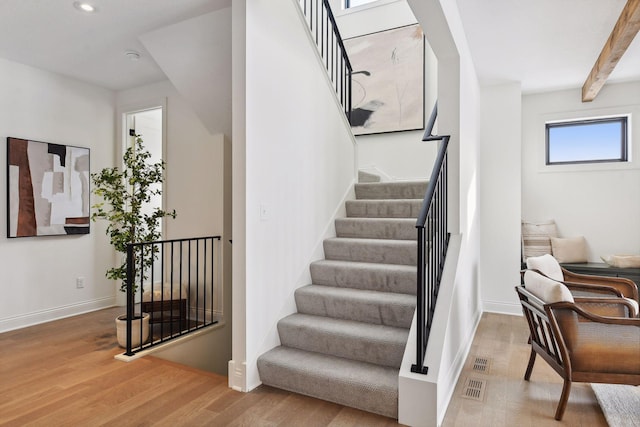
<point x="346" y="342"/>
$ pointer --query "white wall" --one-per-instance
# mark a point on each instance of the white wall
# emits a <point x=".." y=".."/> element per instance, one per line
<point x="39" y="273"/>
<point x="500" y="174"/>
<point x="459" y="310"/>
<point x="196" y="56"/>
<point x="397" y="155"/>
<point x="300" y="165"/>
<point x="601" y="201"/>
<point x="197" y="186"/>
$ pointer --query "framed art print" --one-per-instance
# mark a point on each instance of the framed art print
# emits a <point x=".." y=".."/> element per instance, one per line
<point x="47" y="189"/>
<point x="387" y="80"/>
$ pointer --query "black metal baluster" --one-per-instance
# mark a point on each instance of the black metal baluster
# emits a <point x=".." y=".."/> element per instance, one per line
<point x="181" y="314"/>
<point x="130" y="297"/>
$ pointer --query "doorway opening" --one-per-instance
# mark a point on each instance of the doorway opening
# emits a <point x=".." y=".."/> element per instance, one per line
<point x="148" y="125"/>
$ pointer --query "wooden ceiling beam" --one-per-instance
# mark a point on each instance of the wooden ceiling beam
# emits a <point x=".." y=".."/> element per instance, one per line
<point x="619" y="40"/>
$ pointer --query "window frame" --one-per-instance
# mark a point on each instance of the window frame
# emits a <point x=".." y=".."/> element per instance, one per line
<point x="624" y="138"/>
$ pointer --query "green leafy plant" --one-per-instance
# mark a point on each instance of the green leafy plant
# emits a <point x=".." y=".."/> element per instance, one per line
<point x="124" y="195"/>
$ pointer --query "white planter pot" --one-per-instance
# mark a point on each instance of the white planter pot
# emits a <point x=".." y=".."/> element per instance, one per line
<point x="121" y="330"/>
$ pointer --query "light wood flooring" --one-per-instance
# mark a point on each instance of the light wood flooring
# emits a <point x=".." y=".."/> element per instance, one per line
<point x="63" y="374"/>
<point x="509" y="400"/>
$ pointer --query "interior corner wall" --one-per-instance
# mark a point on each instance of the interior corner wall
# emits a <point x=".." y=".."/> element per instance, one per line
<point x="300" y="166"/>
<point x="500" y="195"/>
<point x="39" y="273"/>
<point x="197" y="174"/>
<point x="597" y="201"/>
<point x="393" y="155"/>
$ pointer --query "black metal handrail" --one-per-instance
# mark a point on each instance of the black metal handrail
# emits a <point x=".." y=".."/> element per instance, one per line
<point x="177" y="281"/>
<point x="324" y="30"/>
<point x="433" y="241"/>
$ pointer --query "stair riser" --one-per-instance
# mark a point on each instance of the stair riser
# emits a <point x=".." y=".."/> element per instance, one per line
<point x="376" y="229"/>
<point x="383" y="209"/>
<point x="391" y="190"/>
<point x="396" y="314"/>
<point x="362" y="276"/>
<point x="393" y="252"/>
<point x="367" y="177"/>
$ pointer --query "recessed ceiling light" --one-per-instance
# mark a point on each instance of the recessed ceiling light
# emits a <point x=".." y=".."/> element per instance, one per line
<point x="132" y="55"/>
<point x="85" y="7"/>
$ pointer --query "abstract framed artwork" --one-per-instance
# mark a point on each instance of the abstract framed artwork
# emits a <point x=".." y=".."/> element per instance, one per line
<point x="388" y="80"/>
<point x="47" y="189"/>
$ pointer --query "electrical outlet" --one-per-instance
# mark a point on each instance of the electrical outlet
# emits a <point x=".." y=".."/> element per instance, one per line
<point x="80" y="282"/>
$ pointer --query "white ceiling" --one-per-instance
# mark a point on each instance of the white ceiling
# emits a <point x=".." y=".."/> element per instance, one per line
<point x="544" y="44"/>
<point x="53" y="35"/>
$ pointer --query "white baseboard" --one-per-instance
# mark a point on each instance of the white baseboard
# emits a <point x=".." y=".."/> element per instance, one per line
<point x="237" y="375"/>
<point x="501" y="307"/>
<point x="43" y="316"/>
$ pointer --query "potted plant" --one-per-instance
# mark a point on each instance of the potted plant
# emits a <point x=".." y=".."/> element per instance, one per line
<point x="125" y="196"/>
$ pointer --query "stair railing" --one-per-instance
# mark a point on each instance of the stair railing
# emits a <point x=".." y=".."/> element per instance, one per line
<point x="433" y="240"/>
<point x="325" y="33"/>
<point x="178" y="283"/>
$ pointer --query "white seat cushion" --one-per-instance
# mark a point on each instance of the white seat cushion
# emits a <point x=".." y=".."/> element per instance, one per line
<point x="546" y="289"/>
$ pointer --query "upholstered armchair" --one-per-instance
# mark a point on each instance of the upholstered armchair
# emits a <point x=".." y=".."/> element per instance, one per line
<point x="583" y="284"/>
<point x="584" y="339"/>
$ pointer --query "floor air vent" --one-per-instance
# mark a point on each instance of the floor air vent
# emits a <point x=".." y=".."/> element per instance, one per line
<point x="474" y="389"/>
<point x="481" y="364"/>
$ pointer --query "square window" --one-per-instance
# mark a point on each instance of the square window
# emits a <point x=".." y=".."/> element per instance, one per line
<point x="355" y="3"/>
<point x="587" y="141"/>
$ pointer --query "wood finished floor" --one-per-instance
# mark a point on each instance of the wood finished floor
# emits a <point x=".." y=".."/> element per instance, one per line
<point x="509" y="400"/>
<point x="63" y="374"/>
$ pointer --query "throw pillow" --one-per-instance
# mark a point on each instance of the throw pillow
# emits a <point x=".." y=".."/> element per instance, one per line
<point x="536" y="238"/>
<point x="569" y="249"/>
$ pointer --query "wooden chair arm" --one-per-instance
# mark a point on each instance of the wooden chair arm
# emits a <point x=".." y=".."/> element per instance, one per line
<point x="627" y="286"/>
<point x="598" y="289"/>
<point x="591" y="316"/>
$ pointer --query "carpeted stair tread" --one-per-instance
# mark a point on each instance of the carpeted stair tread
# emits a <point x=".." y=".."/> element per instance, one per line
<point x="391" y="190"/>
<point x="364" y="275"/>
<point x="359" y="385"/>
<point x="377" y="228"/>
<point x="377" y="344"/>
<point x="399" y="208"/>
<point x="383" y="251"/>
<point x="379" y="308"/>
